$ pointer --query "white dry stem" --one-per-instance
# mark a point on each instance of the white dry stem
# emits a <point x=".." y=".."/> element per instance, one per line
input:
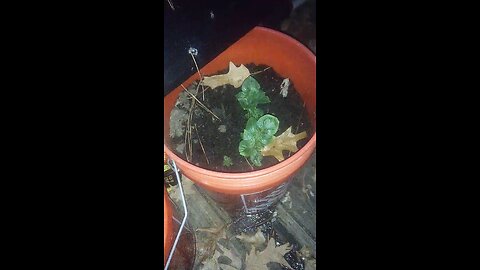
<point x="284" y="87"/>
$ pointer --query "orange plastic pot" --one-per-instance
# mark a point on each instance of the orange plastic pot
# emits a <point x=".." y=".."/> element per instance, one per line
<point x="290" y="59"/>
<point x="167" y="226"/>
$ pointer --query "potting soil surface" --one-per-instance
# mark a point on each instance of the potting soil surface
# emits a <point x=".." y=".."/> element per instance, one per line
<point x="215" y="140"/>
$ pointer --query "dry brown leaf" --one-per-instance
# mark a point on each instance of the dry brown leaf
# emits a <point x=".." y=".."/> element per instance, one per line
<point x="213" y="264"/>
<point x="310" y="264"/>
<point x="310" y="261"/>
<point x="235" y="77"/>
<point x="217" y="232"/>
<point x="236" y="260"/>
<point x="258" y="260"/>
<point x="207" y="247"/>
<point x="256" y="240"/>
<point x="286" y="141"/>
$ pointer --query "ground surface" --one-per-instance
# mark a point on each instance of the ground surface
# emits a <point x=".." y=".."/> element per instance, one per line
<point x="219" y="246"/>
<point x="293" y="226"/>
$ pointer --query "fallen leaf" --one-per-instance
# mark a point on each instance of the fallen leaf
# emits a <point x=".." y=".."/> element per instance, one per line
<point x="306" y="252"/>
<point x="207" y="247"/>
<point x="236" y="260"/>
<point x="310" y="264"/>
<point x="217" y="232"/>
<point x="211" y="263"/>
<point x="257" y="239"/>
<point x="235" y="77"/>
<point x="310" y="261"/>
<point x="258" y="260"/>
<point x="286" y="141"/>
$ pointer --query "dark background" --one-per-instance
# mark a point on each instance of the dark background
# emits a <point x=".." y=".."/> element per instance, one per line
<point x="87" y="149"/>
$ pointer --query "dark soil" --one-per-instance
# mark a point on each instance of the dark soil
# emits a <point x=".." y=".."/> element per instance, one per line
<point x="221" y="100"/>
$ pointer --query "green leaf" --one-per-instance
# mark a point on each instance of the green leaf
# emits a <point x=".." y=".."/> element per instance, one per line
<point x="269" y="123"/>
<point x="227" y="161"/>
<point x="250" y="96"/>
<point x="242" y="99"/>
<point x="260" y="128"/>
<point x="254" y="113"/>
<point x="250" y="84"/>
<point x="256" y="158"/>
<point x="261" y="98"/>
<point x="245" y="148"/>
<point x="251" y="123"/>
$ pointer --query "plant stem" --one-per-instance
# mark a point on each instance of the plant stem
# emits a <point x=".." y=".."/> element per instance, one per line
<point x="249" y="163"/>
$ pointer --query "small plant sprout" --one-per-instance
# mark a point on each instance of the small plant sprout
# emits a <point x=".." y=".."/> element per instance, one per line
<point x="251" y="96"/>
<point x="227" y="161"/>
<point x="258" y="134"/>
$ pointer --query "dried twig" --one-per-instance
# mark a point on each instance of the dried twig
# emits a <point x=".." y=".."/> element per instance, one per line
<point x="186" y="140"/>
<point x="200" y="103"/>
<point x="188" y="130"/>
<point x="198" y="70"/>
<point x="256" y="72"/>
<point x="171" y="4"/>
<point x="300" y="117"/>
<point x="249" y="163"/>
<point x="201" y="145"/>
<point x="190" y="135"/>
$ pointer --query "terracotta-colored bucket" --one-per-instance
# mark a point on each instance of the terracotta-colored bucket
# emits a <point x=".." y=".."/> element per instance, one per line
<point x="257" y="190"/>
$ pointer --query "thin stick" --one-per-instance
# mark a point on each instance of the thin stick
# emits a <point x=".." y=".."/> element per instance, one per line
<point x="256" y="72"/>
<point x="199" y="74"/>
<point x="188" y="133"/>
<point x="200" y="103"/>
<point x="301" y="114"/>
<point x="206" y="109"/>
<point x="188" y="129"/>
<point x="171" y="4"/>
<point x="190" y="140"/>
<point x="203" y="95"/>
<point x="201" y="145"/>
<point x="186" y="139"/>
<point x="205" y="89"/>
<point x="190" y="118"/>
<point x="249" y="163"/>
